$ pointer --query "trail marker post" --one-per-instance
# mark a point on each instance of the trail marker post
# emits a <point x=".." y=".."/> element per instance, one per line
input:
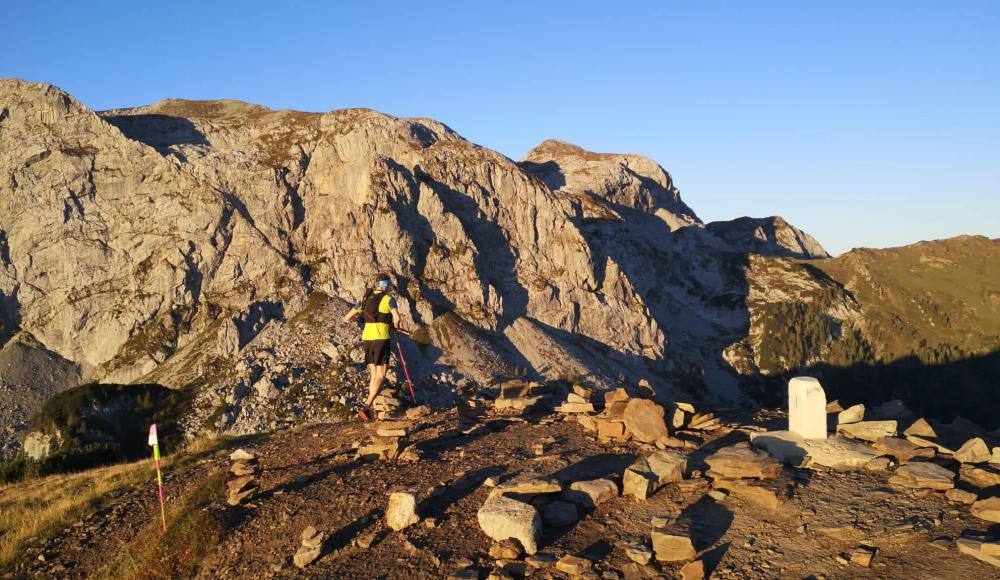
<point x="155" y="444"/>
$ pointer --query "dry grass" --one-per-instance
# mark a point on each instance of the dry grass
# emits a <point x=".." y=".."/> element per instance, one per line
<point x="193" y="531"/>
<point x="40" y="508"/>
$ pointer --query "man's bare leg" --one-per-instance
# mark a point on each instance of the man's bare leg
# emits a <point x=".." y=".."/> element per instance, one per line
<point x="377" y="377"/>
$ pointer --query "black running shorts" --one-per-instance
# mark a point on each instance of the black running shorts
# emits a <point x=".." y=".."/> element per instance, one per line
<point x="377" y="352"/>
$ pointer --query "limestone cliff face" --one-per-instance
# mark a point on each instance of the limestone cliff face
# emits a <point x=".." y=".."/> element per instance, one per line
<point x="113" y="252"/>
<point x="129" y="233"/>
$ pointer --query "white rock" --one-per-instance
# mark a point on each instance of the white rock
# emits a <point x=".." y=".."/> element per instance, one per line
<point x="807" y="408"/>
<point x="502" y="517"/>
<point x="402" y="510"/>
<point x="592" y="493"/>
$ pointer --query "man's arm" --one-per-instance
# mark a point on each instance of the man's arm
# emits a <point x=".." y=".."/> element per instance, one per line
<point x="351" y="314"/>
<point x="397" y="321"/>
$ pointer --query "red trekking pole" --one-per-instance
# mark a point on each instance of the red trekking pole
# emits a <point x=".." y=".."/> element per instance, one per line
<point x="406" y="371"/>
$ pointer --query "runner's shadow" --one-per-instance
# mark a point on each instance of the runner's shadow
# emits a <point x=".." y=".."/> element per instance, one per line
<point x="433" y="448"/>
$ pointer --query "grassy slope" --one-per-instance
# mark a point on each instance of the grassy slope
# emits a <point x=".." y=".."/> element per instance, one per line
<point x="921" y="323"/>
<point x="39" y="508"/>
<point x="939" y="300"/>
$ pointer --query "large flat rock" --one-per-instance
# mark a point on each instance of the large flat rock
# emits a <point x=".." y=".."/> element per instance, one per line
<point x="923" y="475"/>
<point x="869" y="430"/>
<point x="792" y="449"/>
<point x="741" y="461"/>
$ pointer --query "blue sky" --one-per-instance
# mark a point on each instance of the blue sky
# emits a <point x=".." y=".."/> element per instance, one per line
<point x="864" y="123"/>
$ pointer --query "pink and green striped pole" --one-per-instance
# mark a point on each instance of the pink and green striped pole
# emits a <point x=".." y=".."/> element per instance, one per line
<point x="159" y="475"/>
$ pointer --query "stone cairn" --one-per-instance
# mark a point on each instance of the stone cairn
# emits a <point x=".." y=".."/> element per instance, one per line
<point x="469" y="406"/>
<point x="520" y="397"/>
<point x="387" y="404"/>
<point x="626" y="417"/>
<point x="245" y="469"/>
<point x="386" y="441"/>
<point x="388" y="437"/>
<point x="311" y="547"/>
<point x="577" y="401"/>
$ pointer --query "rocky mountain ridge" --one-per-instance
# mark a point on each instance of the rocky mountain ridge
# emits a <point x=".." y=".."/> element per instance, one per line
<point x="158" y="243"/>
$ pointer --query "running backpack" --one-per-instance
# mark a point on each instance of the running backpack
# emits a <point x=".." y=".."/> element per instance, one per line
<point x="369" y="308"/>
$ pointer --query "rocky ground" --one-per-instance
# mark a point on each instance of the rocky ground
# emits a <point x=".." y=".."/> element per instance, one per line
<point x="718" y="507"/>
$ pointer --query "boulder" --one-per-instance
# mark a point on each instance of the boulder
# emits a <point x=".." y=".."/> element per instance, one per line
<point x="530" y="483"/>
<point x="388" y="448"/>
<point x="241" y="468"/>
<point x="243" y="454"/>
<point x="984" y="551"/>
<point x="609" y="429"/>
<point x="902" y="450"/>
<point x="240" y="483"/>
<point x="740" y="461"/>
<point x="638" y="552"/>
<point x="402" y="510"/>
<point x="879" y="464"/>
<point x="920" y="428"/>
<point x="502" y="517"/>
<point x="645" y="420"/>
<point x="987" y="509"/>
<point x="982" y="477"/>
<point x="559" y="514"/>
<point x="862" y="556"/>
<point x="694" y="570"/>
<point x="770" y="495"/>
<point x="894" y="409"/>
<point x="704" y="422"/>
<point x="924" y="442"/>
<point x="618" y="395"/>
<point x="973" y="451"/>
<point x="677" y="417"/>
<point x="672" y="542"/>
<point x="648" y="474"/>
<point x="923" y="475"/>
<point x="806" y="408"/>
<point x="868" y="430"/>
<point x="509" y="549"/>
<point x="573" y="565"/>
<point x="851" y="415"/>
<point x="592" y="493"/>
<point x="960" y="496"/>
<point x="576" y="408"/>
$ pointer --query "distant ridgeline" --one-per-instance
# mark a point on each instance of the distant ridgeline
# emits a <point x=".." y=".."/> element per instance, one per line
<point x="919" y="323"/>
<point x="162" y="245"/>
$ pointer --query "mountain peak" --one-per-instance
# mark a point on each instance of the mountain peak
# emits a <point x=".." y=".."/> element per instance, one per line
<point x="625" y="181"/>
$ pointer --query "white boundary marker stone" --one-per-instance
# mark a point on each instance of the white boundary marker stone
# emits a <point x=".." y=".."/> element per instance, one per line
<point x="807" y="408"/>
